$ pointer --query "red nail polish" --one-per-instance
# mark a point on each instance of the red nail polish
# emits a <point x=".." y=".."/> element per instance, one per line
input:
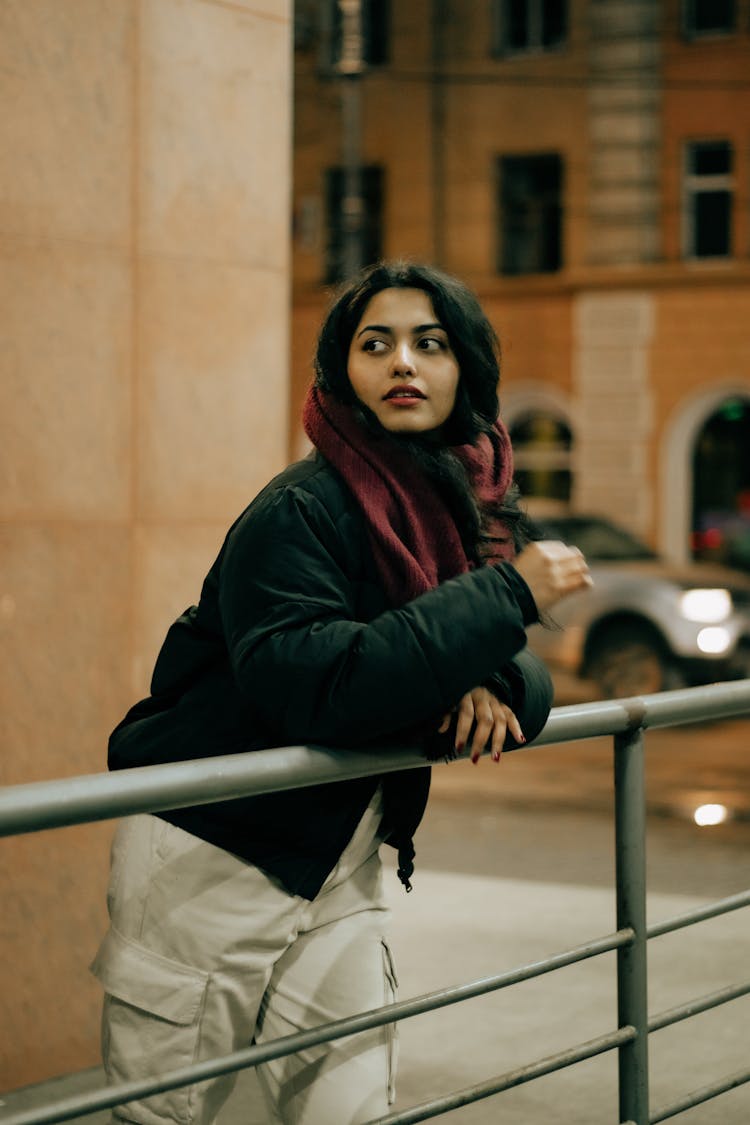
<point x="459" y="747"/>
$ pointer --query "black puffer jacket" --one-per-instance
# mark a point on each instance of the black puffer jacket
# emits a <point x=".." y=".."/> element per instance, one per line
<point x="292" y="642"/>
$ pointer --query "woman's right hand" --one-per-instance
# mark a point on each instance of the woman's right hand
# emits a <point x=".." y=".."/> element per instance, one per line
<point x="552" y="570"/>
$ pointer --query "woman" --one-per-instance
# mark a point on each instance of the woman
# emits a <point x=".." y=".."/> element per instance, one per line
<point x="372" y="593"/>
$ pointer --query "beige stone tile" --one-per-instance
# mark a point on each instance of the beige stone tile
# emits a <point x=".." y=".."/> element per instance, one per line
<point x="64" y="382"/>
<point x="170" y="562"/>
<point x="64" y="640"/>
<point x="215" y="109"/>
<point x="279" y="10"/>
<point x="52" y="886"/>
<point x="214" y="374"/>
<point x="66" y="124"/>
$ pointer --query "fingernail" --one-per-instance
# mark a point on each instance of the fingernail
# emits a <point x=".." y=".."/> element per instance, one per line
<point x="474" y="761"/>
<point x="522" y="738"/>
<point x="459" y="747"/>
<point x="495" y="756"/>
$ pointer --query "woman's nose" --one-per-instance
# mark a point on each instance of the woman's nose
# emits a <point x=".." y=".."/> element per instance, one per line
<point x="403" y="359"/>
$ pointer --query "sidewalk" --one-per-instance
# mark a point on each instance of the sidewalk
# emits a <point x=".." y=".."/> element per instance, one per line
<point x="497" y="924"/>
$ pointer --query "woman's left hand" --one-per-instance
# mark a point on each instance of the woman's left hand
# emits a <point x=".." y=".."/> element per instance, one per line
<point x="490" y="719"/>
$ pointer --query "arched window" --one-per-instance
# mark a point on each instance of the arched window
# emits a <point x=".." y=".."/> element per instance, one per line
<point x="720" y="528"/>
<point x="542" y="444"/>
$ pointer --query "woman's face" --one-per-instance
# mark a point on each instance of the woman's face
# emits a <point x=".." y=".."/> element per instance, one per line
<point x="401" y="364"/>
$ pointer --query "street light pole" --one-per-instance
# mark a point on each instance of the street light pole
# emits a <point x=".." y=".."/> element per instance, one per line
<point x="350" y="66"/>
<point x="438" y="23"/>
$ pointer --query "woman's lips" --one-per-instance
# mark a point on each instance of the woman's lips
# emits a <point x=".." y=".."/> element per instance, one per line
<point x="404" y="396"/>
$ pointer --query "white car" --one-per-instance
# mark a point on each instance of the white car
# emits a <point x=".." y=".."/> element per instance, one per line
<point x="646" y="625"/>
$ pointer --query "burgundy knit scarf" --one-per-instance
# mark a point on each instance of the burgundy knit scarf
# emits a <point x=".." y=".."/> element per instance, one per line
<point x="414" y="538"/>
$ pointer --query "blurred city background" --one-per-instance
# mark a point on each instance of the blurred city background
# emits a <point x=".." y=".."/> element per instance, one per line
<point x="182" y="183"/>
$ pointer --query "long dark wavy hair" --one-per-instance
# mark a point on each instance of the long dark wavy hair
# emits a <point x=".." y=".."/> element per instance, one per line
<point x="477" y="350"/>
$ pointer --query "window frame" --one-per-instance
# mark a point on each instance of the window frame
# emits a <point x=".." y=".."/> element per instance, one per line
<point x="501" y="48"/>
<point x="376" y="32"/>
<point x="504" y="226"/>
<point x="372" y="219"/>
<point x="696" y="35"/>
<point x="555" y="458"/>
<point x="693" y="185"/>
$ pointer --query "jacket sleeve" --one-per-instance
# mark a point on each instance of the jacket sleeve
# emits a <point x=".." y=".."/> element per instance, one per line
<point x="313" y="672"/>
<point x="526" y="686"/>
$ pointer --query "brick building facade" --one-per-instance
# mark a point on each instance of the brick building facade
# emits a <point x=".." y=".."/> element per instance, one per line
<point x="584" y="165"/>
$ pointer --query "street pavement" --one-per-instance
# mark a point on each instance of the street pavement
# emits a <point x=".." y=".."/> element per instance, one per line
<point x="515" y="863"/>
<point x="519" y="865"/>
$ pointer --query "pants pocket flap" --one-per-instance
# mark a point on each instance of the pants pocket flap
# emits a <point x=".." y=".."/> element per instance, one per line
<point x="147" y="980"/>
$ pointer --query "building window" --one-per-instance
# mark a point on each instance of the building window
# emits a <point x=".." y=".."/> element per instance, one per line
<point x="542" y="446"/>
<point x="721" y="486"/>
<point x="375" y="28"/>
<point x="530" y="197"/>
<point x="708" y="199"/>
<point x="529" y="25"/>
<point x="371" y="228"/>
<point x="708" y="17"/>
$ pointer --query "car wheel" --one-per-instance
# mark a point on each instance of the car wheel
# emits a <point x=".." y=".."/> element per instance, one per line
<point x="629" y="660"/>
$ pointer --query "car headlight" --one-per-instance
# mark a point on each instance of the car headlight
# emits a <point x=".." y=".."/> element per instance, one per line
<point x="714" y="640"/>
<point x="706" y="606"/>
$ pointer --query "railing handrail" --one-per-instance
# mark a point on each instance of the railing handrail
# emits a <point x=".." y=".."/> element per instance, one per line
<point x="33" y="806"/>
<point x="48" y="804"/>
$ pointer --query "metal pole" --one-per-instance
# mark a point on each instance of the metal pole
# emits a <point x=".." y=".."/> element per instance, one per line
<point x="350" y="67"/>
<point x="352" y="205"/>
<point x="437" y="131"/>
<point x="630" y="860"/>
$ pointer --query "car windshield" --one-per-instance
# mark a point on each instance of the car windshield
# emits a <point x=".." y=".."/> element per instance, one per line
<point x="598" y="539"/>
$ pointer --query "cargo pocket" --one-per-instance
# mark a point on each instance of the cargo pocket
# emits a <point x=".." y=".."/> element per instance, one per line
<point x="391" y="1029"/>
<point x="151" y="1020"/>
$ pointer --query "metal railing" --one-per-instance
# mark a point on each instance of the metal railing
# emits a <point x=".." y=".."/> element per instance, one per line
<point x="53" y="804"/>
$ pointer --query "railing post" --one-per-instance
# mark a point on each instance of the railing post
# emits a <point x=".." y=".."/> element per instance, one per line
<point x="630" y="861"/>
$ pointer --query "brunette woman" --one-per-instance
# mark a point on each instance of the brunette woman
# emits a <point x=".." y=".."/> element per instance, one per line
<point x="376" y="592"/>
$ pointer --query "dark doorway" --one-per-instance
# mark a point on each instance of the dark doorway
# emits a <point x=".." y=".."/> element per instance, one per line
<point x="721" y="486"/>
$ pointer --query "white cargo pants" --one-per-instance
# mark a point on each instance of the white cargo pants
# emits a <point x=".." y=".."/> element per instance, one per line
<point x="206" y="954"/>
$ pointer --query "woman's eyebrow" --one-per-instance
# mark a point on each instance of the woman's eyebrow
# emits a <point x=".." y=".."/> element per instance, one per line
<point x="416" y="331"/>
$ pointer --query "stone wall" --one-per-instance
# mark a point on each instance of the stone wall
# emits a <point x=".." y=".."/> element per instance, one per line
<point x="144" y="262"/>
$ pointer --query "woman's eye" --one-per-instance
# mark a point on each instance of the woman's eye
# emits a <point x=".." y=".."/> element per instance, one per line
<point x="373" y="345"/>
<point x="431" y="344"/>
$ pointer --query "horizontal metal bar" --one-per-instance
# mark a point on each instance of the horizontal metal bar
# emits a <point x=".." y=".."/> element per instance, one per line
<point x="80" y="800"/>
<point x="49" y="804"/>
<point x="95" y="1100"/>
<point x="100" y="796"/>
<point x="511" y="1078"/>
<point x="697" y="1097"/>
<point x="664" y="709"/>
<point x="699" y="1004"/>
<point x="700" y="914"/>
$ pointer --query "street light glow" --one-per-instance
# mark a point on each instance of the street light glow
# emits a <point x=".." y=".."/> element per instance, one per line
<point x="706" y="815"/>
